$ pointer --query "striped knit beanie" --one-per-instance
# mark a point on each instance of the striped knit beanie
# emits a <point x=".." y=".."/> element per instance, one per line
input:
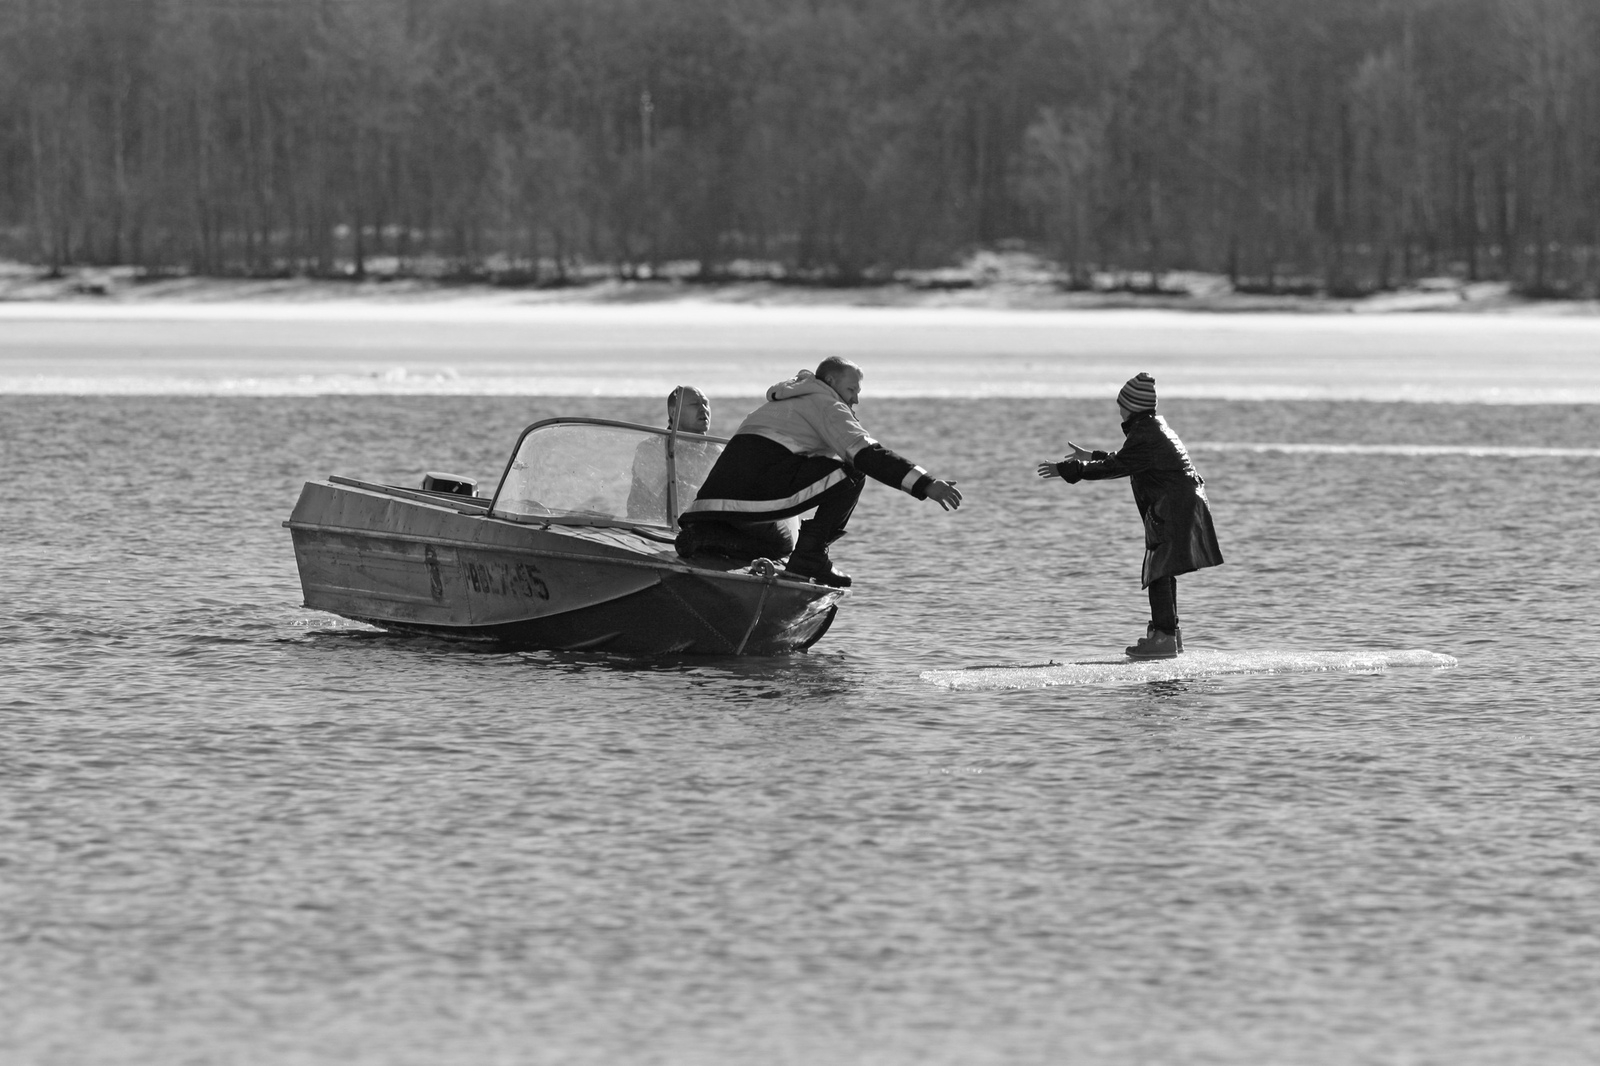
<point x="1139" y="394"/>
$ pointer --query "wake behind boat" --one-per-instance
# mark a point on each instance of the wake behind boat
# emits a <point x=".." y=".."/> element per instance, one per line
<point x="574" y="550"/>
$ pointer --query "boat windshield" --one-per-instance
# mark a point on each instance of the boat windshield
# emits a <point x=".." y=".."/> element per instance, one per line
<point x="604" y="472"/>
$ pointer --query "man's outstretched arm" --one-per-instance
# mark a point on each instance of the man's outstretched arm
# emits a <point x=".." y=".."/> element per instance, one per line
<point x="881" y="464"/>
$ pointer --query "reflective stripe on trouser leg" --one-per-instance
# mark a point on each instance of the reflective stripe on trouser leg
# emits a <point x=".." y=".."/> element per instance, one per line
<point x="834" y="508"/>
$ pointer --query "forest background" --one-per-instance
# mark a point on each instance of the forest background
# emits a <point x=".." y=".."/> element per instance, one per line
<point x="1341" y="146"/>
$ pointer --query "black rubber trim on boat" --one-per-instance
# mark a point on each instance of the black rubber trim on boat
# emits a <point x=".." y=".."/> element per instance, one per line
<point x="821" y="631"/>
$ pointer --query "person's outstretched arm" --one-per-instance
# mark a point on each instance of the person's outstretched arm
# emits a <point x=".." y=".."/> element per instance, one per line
<point x="1049" y="469"/>
<point x="896" y="471"/>
<point x="1082" y="463"/>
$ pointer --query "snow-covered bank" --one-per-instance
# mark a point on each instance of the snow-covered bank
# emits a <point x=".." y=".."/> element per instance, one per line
<point x="979" y="289"/>
<point x="320" y="347"/>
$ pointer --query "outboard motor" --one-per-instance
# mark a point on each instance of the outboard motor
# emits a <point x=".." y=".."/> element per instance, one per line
<point x="455" y="484"/>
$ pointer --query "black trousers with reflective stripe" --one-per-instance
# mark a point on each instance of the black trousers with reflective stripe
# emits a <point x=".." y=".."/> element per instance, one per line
<point x="753" y="467"/>
<point x="834" y="508"/>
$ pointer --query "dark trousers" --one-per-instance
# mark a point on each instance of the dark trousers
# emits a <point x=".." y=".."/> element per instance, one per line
<point x="1164" y="603"/>
<point x="721" y="533"/>
<point x="834" y="508"/>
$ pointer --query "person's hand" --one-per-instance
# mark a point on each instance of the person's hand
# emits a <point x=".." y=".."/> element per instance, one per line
<point x="1049" y="470"/>
<point x="945" y="494"/>
<point x="1080" y="454"/>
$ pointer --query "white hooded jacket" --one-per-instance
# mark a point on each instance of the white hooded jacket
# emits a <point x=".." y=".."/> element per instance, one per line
<point x="810" y="420"/>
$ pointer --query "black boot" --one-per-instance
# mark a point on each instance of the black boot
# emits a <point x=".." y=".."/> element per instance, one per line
<point x="1158" y="644"/>
<point x="810" y="560"/>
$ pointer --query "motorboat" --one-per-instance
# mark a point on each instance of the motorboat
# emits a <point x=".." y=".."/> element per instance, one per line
<point x="573" y="550"/>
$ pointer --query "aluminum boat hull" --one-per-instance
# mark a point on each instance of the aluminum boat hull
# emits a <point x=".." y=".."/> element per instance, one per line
<point x="414" y="562"/>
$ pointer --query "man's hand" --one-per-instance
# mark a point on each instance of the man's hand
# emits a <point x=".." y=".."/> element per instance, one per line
<point x="1080" y="454"/>
<point x="1049" y="470"/>
<point x="945" y="494"/>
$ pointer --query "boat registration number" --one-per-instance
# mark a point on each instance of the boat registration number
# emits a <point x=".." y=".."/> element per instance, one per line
<point x="507" y="579"/>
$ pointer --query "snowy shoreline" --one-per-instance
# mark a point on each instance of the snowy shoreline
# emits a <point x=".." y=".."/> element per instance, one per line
<point x="26" y="290"/>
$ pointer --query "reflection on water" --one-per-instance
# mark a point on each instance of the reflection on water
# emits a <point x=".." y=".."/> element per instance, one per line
<point x="241" y="831"/>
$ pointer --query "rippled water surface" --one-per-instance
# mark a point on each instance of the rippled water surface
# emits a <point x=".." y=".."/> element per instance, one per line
<point x="236" y="831"/>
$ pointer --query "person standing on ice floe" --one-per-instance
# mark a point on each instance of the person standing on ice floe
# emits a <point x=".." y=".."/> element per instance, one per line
<point x="801" y="450"/>
<point x="1171" y="496"/>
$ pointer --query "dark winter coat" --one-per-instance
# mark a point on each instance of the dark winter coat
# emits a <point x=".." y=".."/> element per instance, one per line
<point x="1170" y="493"/>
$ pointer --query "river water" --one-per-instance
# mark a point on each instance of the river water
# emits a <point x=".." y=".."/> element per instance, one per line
<point x="1357" y="824"/>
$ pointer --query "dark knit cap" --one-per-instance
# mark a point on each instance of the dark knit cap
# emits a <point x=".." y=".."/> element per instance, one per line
<point x="1139" y="394"/>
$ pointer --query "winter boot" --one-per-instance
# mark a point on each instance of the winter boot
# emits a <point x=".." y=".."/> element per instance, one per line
<point x="810" y="561"/>
<point x="1157" y="644"/>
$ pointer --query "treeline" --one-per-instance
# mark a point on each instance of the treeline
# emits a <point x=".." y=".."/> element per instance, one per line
<point x="1350" y="144"/>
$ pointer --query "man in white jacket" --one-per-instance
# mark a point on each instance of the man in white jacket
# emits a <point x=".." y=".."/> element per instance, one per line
<point x="801" y="450"/>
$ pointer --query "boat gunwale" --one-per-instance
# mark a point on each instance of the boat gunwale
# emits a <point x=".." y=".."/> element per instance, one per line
<point x="649" y="563"/>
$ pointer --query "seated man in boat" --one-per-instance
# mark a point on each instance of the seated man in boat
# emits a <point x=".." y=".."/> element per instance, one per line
<point x="688" y="408"/>
<point x="801" y="450"/>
